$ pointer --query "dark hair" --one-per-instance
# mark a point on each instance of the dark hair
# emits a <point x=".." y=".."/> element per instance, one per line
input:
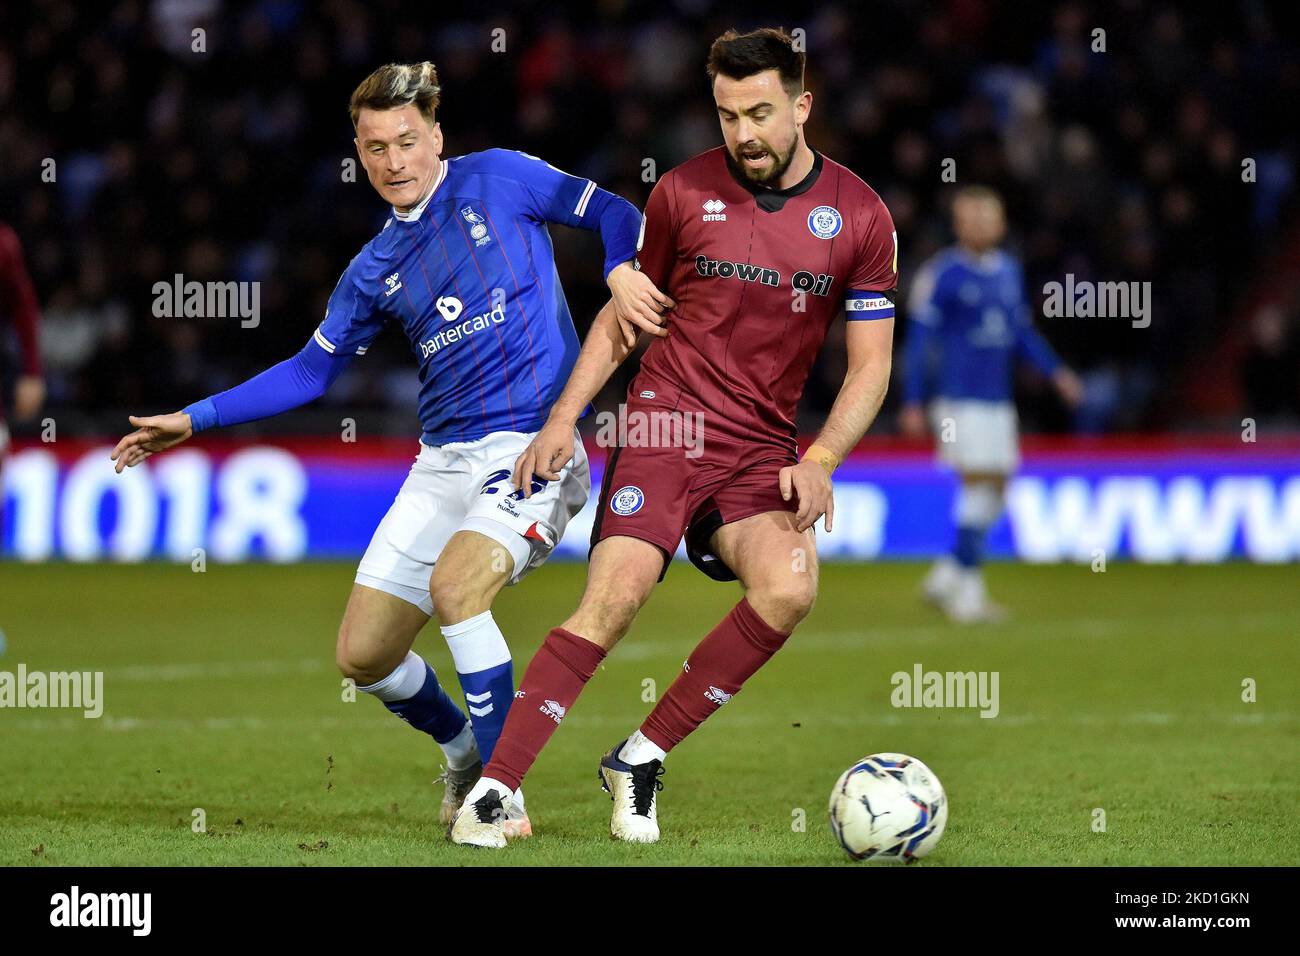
<point x="738" y="55"/>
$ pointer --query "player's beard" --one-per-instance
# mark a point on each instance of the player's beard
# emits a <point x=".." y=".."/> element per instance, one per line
<point x="769" y="179"/>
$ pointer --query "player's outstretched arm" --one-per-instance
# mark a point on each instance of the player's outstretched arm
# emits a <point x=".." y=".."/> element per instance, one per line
<point x="293" y="382"/>
<point x="870" y="348"/>
<point x="604" y="350"/>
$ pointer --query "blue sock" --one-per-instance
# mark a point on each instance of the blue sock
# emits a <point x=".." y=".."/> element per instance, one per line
<point x="969" y="550"/>
<point x="430" y="709"/>
<point x="488" y="695"/>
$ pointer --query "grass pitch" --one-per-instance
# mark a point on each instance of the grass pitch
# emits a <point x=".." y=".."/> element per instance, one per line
<point x="1119" y="691"/>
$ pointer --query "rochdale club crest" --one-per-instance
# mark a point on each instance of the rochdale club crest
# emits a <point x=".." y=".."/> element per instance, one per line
<point x="824" y="222"/>
<point x="628" y="500"/>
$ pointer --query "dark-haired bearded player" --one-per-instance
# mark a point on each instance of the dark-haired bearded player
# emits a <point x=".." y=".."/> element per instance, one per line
<point x="760" y="243"/>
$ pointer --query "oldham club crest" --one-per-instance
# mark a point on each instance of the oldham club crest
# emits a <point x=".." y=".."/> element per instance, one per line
<point x="825" y="222"/>
<point x="478" y="230"/>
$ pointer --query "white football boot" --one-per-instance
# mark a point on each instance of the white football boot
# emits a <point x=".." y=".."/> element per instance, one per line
<point x="633" y="788"/>
<point x="941" y="581"/>
<point x="481" y="818"/>
<point x="969" y="602"/>
<point x="516" y="825"/>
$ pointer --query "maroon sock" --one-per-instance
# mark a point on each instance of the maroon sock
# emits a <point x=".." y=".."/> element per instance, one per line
<point x="552" y="682"/>
<point x="726" y="658"/>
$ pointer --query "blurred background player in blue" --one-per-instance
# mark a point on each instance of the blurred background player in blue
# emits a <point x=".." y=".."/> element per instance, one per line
<point x="969" y="321"/>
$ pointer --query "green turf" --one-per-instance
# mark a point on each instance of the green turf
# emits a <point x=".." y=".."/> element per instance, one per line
<point x="1119" y="691"/>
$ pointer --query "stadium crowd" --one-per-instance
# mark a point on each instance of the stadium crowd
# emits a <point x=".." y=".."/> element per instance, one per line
<point x="1120" y="156"/>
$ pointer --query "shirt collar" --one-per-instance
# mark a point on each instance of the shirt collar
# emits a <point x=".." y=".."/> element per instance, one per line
<point x="770" y="199"/>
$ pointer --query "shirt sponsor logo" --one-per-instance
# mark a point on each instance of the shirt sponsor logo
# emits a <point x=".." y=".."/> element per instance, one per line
<point x="746" y="272"/>
<point x="801" y="281"/>
<point x="628" y="500"/>
<point x="713" y="210"/>
<point x="824" y="222"/>
<point x="450" y="308"/>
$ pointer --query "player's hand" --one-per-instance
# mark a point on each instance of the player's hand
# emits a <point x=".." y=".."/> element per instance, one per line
<point x="809" y="482"/>
<point x="911" y="420"/>
<point x="29" y="396"/>
<point x="638" y="305"/>
<point x="546" y="455"/>
<point x="152" y="434"/>
<point x="1070" y="387"/>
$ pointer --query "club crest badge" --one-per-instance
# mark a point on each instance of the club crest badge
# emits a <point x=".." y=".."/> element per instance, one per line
<point x="824" y="222"/>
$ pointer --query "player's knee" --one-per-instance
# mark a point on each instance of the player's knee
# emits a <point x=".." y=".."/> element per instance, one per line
<point x="785" y="602"/>
<point x="606" y="619"/>
<point x="456" y="597"/>
<point x="353" y="661"/>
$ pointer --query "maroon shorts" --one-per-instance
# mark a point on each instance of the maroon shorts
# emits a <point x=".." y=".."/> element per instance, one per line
<point x="659" y="494"/>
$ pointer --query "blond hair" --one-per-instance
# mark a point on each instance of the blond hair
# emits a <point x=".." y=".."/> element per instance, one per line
<point x="395" y="85"/>
<point x="979" y="193"/>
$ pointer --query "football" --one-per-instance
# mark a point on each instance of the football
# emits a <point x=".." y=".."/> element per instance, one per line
<point x="888" y="807"/>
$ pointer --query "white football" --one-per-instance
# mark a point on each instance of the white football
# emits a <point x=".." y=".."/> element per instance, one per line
<point x="888" y="807"/>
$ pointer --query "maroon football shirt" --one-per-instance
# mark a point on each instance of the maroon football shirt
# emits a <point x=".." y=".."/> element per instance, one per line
<point x="758" y="277"/>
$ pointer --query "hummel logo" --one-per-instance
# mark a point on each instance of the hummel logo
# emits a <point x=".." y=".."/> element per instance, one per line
<point x="552" y="710"/>
<point x="393" y="284"/>
<point x="713" y="210"/>
<point x="717" y="695"/>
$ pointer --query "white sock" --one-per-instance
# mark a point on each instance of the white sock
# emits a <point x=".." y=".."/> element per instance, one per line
<point x="485" y="784"/>
<point x="462" y="750"/>
<point x="640" y="749"/>
<point x="403" y="683"/>
<point x="476" y="644"/>
<point x="519" y="798"/>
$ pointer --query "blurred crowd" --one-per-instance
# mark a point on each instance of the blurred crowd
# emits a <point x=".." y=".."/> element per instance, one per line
<point x="1120" y="156"/>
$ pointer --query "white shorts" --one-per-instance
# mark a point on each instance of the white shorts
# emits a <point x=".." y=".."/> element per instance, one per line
<point x="465" y="486"/>
<point x="976" y="436"/>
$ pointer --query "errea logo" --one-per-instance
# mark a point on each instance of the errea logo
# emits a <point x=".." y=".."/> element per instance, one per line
<point x="713" y="210"/>
<point x="393" y="283"/>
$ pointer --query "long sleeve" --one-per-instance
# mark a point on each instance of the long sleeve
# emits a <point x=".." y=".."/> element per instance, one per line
<point x="293" y="382"/>
<point x="617" y="221"/>
<point x="923" y="341"/>
<point x="1031" y="346"/>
